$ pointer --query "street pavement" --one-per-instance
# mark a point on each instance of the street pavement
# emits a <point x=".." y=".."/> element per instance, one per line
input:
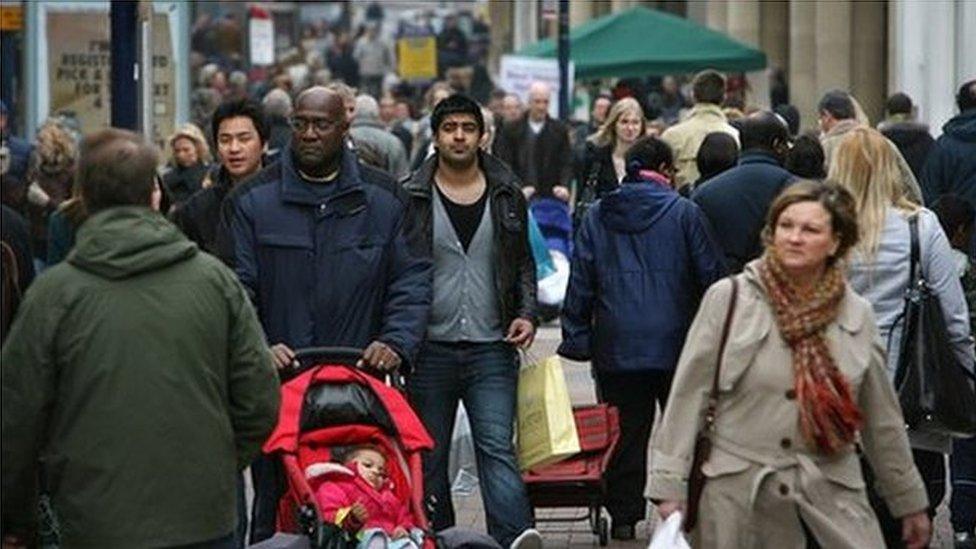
<point x="469" y="510"/>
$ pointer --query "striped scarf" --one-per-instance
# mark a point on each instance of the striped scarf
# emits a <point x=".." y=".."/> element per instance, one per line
<point x="829" y="417"/>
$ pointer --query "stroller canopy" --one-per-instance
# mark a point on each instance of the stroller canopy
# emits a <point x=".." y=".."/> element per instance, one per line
<point x="333" y="395"/>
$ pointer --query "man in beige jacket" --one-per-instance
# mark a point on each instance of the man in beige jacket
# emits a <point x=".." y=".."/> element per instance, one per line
<point x="684" y="138"/>
<point x="838" y="115"/>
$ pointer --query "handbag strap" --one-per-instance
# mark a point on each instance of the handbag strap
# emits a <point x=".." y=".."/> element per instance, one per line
<point x="914" y="272"/>
<point x="915" y="275"/>
<point x="726" y="328"/>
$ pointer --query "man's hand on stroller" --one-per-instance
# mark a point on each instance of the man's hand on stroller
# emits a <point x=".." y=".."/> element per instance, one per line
<point x="400" y="532"/>
<point x="284" y="357"/>
<point x="380" y="356"/>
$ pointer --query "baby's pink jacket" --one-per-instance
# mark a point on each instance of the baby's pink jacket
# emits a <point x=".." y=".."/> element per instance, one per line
<point x="340" y="487"/>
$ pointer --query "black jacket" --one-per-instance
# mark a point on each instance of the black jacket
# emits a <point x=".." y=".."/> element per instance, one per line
<point x="913" y="141"/>
<point x="181" y="183"/>
<point x="199" y="215"/>
<point x="736" y="202"/>
<point x="553" y="156"/>
<point x="515" y="271"/>
<point x="599" y="159"/>
<point x="951" y="165"/>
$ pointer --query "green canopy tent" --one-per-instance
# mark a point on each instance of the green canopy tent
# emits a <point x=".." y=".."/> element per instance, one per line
<point x="643" y="42"/>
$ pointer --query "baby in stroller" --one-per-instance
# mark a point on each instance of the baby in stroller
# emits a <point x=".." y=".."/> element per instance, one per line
<point x="360" y="498"/>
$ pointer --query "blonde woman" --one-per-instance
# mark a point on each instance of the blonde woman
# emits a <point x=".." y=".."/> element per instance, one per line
<point x="605" y="149"/>
<point x="51" y="177"/>
<point x="865" y="163"/>
<point x="189" y="161"/>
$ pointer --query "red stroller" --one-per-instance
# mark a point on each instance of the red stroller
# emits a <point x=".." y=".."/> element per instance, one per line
<point x="330" y="404"/>
<point x="578" y="480"/>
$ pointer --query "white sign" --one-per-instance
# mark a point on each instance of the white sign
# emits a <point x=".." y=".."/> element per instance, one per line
<point x="261" y="37"/>
<point x="518" y="73"/>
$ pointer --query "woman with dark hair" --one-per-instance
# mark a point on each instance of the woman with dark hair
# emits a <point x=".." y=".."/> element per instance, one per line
<point x="791" y="387"/>
<point x="643" y="258"/>
<point x="806" y="158"/>
<point x="719" y="151"/>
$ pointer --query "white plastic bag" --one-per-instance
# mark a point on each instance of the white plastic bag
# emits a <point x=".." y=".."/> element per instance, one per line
<point x="668" y="534"/>
<point x="552" y="289"/>
<point x="462" y="467"/>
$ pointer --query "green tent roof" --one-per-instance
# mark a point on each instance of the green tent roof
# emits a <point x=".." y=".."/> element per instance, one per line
<point x="643" y="42"/>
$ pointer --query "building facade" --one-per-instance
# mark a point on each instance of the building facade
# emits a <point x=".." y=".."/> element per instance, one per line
<point x="871" y="47"/>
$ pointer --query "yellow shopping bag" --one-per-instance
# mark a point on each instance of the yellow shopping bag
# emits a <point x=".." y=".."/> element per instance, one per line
<point x="546" y="428"/>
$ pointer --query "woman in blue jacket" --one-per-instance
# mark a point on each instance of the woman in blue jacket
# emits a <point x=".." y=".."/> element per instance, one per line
<point x="644" y="257"/>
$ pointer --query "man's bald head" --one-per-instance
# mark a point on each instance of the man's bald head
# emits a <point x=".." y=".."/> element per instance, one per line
<point x="319" y="126"/>
<point x="322" y="100"/>
<point x="538" y="88"/>
<point x="764" y="131"/>
<point x="539" y="93"/>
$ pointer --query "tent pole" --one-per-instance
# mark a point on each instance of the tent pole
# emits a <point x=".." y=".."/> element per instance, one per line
<point x="564" y="60"/>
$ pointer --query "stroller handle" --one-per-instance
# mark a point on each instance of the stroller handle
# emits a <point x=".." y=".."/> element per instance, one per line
<point x="310" y="357"/>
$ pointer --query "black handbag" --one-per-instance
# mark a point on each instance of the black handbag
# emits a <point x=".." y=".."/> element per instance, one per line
<point x="935" y="391"/>
<point x="587" y="196"/>
<point x="703" y="442"/>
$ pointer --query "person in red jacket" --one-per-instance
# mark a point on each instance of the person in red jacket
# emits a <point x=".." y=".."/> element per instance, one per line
<point x="361" y="499"/>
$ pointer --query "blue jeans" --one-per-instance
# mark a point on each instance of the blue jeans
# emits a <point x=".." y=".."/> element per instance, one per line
<point x="962" y="465"/>
<point x="485" y="377"/>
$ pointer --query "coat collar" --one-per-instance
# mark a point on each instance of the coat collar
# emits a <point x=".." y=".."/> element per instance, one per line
<point x="294" y="189"/>
<point x="842" y="127"/>
<point x="704" y="110"/>
<point x="758" y="157"/>
<point x="498" y="176"/>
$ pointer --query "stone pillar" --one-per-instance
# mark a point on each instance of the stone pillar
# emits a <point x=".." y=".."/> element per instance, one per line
<point x="868" y="48"/>
<point x="501" y="33"/>
<point x="526" y="18"/>
<point x="743" y="25"/>
<point x="833" y="45"/>
<point x="697" y="11"/>
<point x="580" y="12"/>
<point x="803" y="62"/>
<point x="743" y="21"/>
<point x="774" y="33"/>
<point x="621" y="5"/>
<point x="717" y="15"/>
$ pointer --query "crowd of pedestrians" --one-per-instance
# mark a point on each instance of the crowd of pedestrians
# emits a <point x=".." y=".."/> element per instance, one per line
<point x="139" y="367"/>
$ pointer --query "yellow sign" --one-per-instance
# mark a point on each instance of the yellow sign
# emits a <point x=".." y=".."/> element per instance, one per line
<point x="417" y="58"/>
<point x="11" y="18"/>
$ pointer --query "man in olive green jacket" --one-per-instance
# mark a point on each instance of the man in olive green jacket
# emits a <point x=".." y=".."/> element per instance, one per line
<point x="136" y="376"/>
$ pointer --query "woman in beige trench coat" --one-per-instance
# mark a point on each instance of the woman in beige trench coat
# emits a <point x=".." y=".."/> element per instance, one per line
<point x="782" y="472"/>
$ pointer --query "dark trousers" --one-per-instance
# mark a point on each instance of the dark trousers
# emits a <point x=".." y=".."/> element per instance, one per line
<point x="268" y="487"/>
<point x="634" y="394"/>
<point x="485" y="377"/>
<point x="240" y="532"/>
<point x="962" y="465"/>
<point x="931" y="466"/>
<point x="225" y="542"/>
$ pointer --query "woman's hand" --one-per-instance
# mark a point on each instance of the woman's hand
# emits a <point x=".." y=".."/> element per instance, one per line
<point x="916" y="529"/>
<point x="666" y="508"/>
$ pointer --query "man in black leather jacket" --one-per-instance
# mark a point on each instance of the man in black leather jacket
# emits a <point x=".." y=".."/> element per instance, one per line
<point x="471" y="217"/>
